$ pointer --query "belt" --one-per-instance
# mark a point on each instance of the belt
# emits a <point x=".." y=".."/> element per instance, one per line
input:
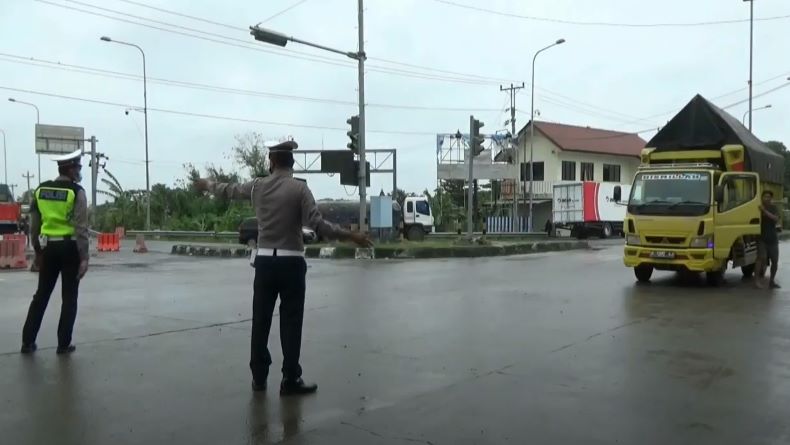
<point x="58" y="238"/>
<point x="279" y="252"/>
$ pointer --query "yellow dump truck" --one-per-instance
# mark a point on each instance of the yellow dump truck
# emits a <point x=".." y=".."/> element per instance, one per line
<point x="694" y="202"/>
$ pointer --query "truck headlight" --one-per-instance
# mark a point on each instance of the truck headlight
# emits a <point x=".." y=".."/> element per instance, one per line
<point x="702" y="242"/>
<point x="633" y="239"/>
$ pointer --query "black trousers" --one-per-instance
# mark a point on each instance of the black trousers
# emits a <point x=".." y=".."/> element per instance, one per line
<point x="59" y="258"/>
<point x="284" y="277"/>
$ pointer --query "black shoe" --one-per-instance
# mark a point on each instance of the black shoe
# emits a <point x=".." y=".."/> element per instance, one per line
<point x="65" y="349"/>
<point x="28" y="349"/>
<point x="773" y="285"/>
<point x="297" y="387"/>
<point x="258" y="387"/>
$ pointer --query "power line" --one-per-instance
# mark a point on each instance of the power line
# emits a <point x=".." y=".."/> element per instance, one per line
<point x="210" y="116"/>
<point x="232" y="41"/>
<point x="216" y="88"/>
<point x="239" y="28"/>
<point x="470" y="78"/>
<point x="607" y="24"/>
<point x="283" y="11"/>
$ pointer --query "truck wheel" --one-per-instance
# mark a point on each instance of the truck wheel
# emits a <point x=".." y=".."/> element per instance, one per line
<point x="716" y="277"/>
<point x="415" y="233"/>
<point x="643" y="273"/>
<point x="748" y="271"/>
<point x="607" y="231"/>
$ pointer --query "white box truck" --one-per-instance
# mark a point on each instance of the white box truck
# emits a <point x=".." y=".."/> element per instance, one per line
<point x="588" y="208"/>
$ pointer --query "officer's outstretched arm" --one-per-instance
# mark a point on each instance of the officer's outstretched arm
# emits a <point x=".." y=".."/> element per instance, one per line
<point x="313" y="219"/>
<point x="235" y="191"/>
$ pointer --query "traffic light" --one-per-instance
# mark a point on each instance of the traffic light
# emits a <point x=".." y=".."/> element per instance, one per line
<point x="475" y="138"/>
<point x="353" y="134"/>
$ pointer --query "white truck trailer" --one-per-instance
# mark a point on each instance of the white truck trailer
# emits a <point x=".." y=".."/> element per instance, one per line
<point x="588" y="208"/>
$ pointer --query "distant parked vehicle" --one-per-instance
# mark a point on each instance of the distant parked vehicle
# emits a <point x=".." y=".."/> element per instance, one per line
<point x="248" y="232"/>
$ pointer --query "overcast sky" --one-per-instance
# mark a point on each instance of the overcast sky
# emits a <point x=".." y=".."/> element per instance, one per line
<point x="451" y="61"/>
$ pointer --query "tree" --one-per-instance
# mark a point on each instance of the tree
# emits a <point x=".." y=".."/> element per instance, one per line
<point x="781" y="149"/>
<point x="251" y="153"/>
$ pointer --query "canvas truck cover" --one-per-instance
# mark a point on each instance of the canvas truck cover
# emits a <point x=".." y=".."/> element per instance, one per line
<point x="700" y="125"/>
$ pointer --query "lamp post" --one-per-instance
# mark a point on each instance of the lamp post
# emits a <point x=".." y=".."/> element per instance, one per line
<point x="532" y="131"/>
<point x="279" y="39"/>
<point x="5" y="159"/>
<point x="751" y="57"/>
<point x="145" y="113"/>
<point x="749" y="112"/>
<point x="38" y="121"/>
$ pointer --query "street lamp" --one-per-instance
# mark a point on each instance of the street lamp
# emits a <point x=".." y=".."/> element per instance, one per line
<point x="280" y="39"/>
<point x="145" y="113"/>
<point x="751" y="57"/>
<point x="532" y="132"/>
<point x="749" y="112"/>
<point x="38" y="121"/>
<point x="5" y="158"/>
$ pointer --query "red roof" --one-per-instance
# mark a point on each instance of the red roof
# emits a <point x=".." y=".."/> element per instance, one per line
<point x="591" y="140"/>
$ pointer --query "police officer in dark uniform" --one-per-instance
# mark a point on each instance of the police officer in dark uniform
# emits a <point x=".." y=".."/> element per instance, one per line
<point x="59" y="234"/>
<point x="283" y="205"/>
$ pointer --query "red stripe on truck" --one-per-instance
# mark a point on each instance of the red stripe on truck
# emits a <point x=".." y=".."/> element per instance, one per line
<point x="589" y="197"/>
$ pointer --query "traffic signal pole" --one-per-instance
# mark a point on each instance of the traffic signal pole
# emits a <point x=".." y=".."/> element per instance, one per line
<point x="362" y="163"/>
<point x="475" y="148"/>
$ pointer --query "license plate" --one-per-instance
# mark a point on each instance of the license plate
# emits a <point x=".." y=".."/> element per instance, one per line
<point x="663" y="255"/>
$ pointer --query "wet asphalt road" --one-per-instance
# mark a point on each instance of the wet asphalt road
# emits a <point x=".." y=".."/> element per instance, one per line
<point x="558" y="348"/>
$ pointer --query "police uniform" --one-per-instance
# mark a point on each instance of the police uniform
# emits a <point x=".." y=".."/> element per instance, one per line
<point x="59" y="234"/>
<point x="283" y="205"/>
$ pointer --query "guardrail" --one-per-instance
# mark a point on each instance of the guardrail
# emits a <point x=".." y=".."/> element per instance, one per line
<point x="185" y="234"/>
<point x="182" y="234"/>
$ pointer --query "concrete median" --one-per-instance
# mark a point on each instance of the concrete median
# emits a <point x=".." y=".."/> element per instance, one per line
<point x="410" y="251"/>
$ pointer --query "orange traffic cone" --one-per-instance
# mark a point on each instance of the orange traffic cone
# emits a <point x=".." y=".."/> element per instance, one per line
<point x="140" y="245"/>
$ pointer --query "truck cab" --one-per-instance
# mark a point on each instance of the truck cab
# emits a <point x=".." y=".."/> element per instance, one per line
<point x="692" y="217"/>
<point x="417" y="218"/>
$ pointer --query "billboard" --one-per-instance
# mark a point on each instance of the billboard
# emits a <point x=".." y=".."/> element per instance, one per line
<point x="59" y="139"/>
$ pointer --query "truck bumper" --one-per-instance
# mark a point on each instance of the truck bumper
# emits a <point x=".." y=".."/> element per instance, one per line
<point x="694" y="260"/>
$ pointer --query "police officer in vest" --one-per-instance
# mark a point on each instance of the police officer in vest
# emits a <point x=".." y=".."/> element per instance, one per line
<point x="59" y="234"/>
<point x="283" y="205"/>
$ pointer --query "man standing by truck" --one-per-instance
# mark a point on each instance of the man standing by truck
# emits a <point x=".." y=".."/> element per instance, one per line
<point x="768" y="249"/>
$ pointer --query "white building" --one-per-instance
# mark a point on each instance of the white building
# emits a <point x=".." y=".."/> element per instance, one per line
<point x="568" y="153"/>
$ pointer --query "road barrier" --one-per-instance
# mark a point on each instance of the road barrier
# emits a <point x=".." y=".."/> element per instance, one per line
<point x="108" y="242"/>
<point x="12" y="252"/>
<point x="139" y="245"/>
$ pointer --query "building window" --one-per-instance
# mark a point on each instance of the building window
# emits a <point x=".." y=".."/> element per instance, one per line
<point x="568" y="170"/>
<point x="611" y="173"/>
<point x="537" y="171"/>
<point x="588" y="171"/>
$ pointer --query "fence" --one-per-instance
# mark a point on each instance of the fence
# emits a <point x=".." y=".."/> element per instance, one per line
<point x="504" y="224"/>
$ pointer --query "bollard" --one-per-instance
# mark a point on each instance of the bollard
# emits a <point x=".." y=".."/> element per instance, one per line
<point x="140" y="246"/>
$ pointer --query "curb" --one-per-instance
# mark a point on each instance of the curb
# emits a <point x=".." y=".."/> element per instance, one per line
<point x="349" y="252"/>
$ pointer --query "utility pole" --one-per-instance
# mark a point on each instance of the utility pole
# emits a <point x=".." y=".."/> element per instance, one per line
<point x="28" y="176"/>
<point x="751" y="57"/>
<point x="362" y="163"/>
<point x="13" y="190"/>
<point x="517" y="180"/>
<point x="94" y="171"/>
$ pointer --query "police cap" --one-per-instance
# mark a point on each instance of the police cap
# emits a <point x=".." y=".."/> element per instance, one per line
<point x="69" y="160"/>
<point x="284" y="147"/>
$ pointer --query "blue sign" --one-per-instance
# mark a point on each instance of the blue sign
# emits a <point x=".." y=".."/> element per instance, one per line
<point x="380" y="212"/>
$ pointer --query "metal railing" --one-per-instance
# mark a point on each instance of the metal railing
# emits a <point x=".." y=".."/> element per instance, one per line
<point x="182" y="234"/>
<point x="153" y="234"/>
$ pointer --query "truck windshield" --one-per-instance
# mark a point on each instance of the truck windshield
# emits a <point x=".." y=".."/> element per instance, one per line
<point x="670" y="193"/>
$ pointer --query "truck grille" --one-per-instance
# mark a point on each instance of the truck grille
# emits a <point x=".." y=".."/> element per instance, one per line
<point x="665" y="240"/>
